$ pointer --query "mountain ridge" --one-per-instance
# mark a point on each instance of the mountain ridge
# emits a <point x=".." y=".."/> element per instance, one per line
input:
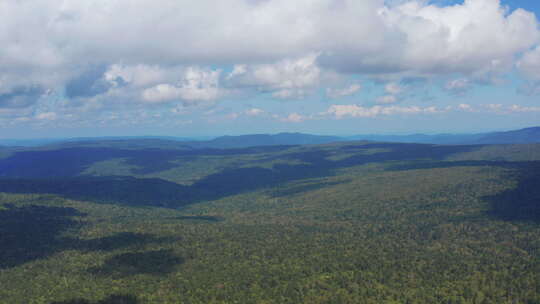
<point x="520" y="136"/>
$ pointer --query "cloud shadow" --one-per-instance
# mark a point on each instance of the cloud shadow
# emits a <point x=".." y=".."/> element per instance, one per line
<point x="113" y="299"/>
<point x="230" y="181"/>
<point x="158" y="262"/>
<point x="33" y="232"/>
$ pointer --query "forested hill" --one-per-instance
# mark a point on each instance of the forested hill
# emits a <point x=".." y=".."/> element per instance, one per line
<point x="222" y="142"/>
<point x="522" y="136"/>
<point x="243" y="141"/>
<point x="528" y="135"/>
<point x="348" y="222"/>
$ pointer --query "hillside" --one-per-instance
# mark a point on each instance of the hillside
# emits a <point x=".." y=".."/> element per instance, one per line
<point x="522" y="136"/>
<point x="528" y="135"/>
<point x="348" y="222"/>
<point x="242" y="141"/>
<point x="223" y="142"/>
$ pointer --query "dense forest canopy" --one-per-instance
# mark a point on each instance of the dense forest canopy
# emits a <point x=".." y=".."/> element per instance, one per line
<point x="350" y="222"/>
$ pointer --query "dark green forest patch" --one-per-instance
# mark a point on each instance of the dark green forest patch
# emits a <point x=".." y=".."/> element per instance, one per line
<point x="113" y="299"/>
<point x="34" y="232"/>
<point x="63" y="180"/>
<point x="157" y="262"/>
<point x="522" y="203"/>
<point x="313" y="224"/>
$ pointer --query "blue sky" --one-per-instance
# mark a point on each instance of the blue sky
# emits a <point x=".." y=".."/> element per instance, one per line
<point x="179" y="68"/>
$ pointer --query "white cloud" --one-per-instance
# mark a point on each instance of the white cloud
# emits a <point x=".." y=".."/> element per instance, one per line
<point x="386" y="99"/>
<point x="343" y="111"/>
<point x="475" y="37"/>
<point x="521" y="109"/>
<point x="141" y="75"/>
<point x="232" y="116"/>
<point x="347" y="91"/>
<point x="154" y="84"/>
<point x="167" y="51"/>
<point x="287" y="94"/>
<point x="238" y="69"/>
<point x="465" y="107"/>
<point x="529" y="64"/>
<point x="51" y="37"/>
<point x="289" y="78"/>
<point x="196" y="85"/>
<point x="253" y="112"/>
<point x="458" y="86"/>
<point x="393" y="88"/>
<point x="161" y="93"/>
<point x="502" y="109"/>
<point x="46" y="116"/>
<point x="496" y="107"/>
<point x="293" y="117"/>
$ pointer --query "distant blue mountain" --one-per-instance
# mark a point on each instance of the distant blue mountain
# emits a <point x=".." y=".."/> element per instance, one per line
<point x="443" y="139"/>
<point x="28" y="142"/>
<point x="242" y="141"/>
<point x="528" y="135"/>
<point x="48" y="141"/>
<point x="522" y="136"/>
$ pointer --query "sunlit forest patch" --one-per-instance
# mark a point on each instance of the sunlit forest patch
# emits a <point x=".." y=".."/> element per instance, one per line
<point x="340" y="223"/>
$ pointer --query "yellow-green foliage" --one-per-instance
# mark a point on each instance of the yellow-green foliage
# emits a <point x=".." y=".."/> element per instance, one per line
<point x="367" y="233"/>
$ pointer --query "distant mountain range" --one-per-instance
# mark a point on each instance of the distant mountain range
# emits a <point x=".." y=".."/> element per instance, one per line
<point x="528" y="135"/>
<point x="522" y="136"/>
<point x="243" y="141"/>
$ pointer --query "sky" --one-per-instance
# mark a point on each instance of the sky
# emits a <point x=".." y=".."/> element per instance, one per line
<point x="209" y="68"/>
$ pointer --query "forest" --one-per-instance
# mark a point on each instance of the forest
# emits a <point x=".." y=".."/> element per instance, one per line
<point x="346" y="222"/>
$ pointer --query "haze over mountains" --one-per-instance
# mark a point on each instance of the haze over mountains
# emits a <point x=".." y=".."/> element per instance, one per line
<point x="521" y="136"/>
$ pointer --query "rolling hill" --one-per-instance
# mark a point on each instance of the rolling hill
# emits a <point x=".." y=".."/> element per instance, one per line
<point x="130" y="221"/>
<point x="522" y="136"/>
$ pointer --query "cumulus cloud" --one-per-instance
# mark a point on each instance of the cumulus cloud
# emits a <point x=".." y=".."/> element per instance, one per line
<point x="292" y="117"/>
<point x="529" y="64"/>
<point x="386" y="99"/>
<point x="46" y="116"/>
<point x="521" y="109"/>
<point x="477" y="36"/>
<point x="393" y="91"/>
<point x="196" y="85"/>
<point x="494" y="107"/>
<point x="503" y="109"/>
<point x="347" y="91"/>
<point x="393" y="88"/>
<point x="465" y="107"/>
<point x="288" y="78"/>
<point x="149" y="84"/>
<point x="254" y="112"/>
<point x="176" y="51"/>
<point x="458" y="86"/>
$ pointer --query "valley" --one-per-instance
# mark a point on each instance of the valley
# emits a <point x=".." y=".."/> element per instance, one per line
<point x="346" y="222"/>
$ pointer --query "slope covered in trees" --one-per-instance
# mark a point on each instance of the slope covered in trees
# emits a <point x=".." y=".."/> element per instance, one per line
<point x="336" y="223"/>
